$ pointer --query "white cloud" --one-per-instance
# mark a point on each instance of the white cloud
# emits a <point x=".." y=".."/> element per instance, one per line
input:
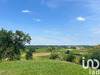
<point x="26" y="11"/>
<point x="51" y="32"/>
<point x="35" y="19"/>
<point x="80" y="18"/>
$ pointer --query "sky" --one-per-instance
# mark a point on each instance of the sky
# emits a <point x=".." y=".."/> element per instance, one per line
<point x="53" y="22"/>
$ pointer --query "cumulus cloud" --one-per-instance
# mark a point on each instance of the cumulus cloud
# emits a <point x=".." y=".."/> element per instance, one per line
<point x="35" y="19"/>
<point x="26" y="11"/>
<point x="80" y="18"/>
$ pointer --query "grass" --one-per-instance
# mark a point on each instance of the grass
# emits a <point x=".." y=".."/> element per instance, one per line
<point x="41" y="67"/>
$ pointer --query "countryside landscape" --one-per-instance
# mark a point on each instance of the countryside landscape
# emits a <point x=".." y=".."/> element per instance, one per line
<point x="49" y="37"/>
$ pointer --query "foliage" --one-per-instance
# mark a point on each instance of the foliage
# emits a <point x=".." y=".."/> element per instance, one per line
<point x="32" y="49"/>
<point x="53" y="48"/>
<point x="49" y="49"/>
<point x="86" y="56"/>
<point x="96" y="55"/>
<point x="70" y="57"/>
<point x="67" y="52"/>
<point x="29" y="55"/>
<point x="54" y="56"/>
<point x="97" y="47"/>
<point x="73" y="47"/>
<point x="11" y="43"/>
<point x="76" y="61"/>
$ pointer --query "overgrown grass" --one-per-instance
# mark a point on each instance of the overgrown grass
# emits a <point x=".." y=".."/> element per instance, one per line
<point x="41" y="67"/>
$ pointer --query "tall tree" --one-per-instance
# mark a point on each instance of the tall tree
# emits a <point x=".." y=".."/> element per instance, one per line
<point x="11" y="43"/>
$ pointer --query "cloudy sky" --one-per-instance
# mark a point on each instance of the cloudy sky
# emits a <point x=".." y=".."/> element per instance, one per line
<point x="53" y="22"/>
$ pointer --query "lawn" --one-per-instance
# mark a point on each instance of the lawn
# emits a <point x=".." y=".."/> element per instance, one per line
<point x="41" y="67"/>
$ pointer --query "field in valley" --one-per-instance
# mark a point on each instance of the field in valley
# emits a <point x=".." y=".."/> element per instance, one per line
<point x="42" y="65"/>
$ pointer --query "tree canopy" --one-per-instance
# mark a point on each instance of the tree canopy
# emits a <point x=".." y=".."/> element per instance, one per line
<point x="11" y="43"/>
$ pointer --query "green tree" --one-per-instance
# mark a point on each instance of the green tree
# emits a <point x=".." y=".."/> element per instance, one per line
<point x="50" y="49"/>
<point x="29" y="55"/>
<point x="11" y="43"/>
<point x="68" y="51"/>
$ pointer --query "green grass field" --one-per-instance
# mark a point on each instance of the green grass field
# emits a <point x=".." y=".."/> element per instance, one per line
<point x="41" y="67"/>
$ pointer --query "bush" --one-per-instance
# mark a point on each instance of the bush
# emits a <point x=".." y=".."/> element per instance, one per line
<point x="70" y="57"/>
<point x="53" y="48"/>
<point x="96" y="55"/>
<point x="29" y="55"/>
<point x="49" y="49"/>
<point x="54" y="56"/>
<point x="67" y="52"/>
<point x="32" y="50"/>
<point x="87" y="57"/>
<point x="16" y="57"/>
<point x="76" y="61"/>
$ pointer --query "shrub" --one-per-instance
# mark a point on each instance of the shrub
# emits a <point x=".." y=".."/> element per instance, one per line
<point x="49" y="49"/>
<point x="67" y="52"/>
<point x="29" y="55"/>
<point x="54" y="56"/>
<point x="97" y="47"/>
<point x="87" y="56"/>
<point x="17" y="57"/>
<point x="70" y="57"/>
<point x="53" y="48"/>
<point x="96" y="55"/>
<point x="32" y="50"/>
<point x="76" y="61"/>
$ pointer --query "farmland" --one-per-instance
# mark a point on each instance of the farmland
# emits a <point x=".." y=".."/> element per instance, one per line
<point x="42" y="65"/>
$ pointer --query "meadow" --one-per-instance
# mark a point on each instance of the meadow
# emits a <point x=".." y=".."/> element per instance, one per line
<point x="42" y="65"/>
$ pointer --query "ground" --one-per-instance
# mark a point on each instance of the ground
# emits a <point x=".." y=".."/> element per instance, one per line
<point x="42" y="65"/>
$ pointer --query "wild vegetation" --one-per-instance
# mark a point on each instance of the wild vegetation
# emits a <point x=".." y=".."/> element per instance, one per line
<point x="18" y="59"/>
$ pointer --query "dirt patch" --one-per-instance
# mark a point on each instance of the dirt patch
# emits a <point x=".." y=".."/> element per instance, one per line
<point x="41" y="54"/>
<point x="1" y="71"/>
<point x="23" y="55"/>
<point x="70" y="49"/>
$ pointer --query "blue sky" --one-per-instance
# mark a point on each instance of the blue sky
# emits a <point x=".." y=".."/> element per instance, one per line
<point x="53" y="22"/>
